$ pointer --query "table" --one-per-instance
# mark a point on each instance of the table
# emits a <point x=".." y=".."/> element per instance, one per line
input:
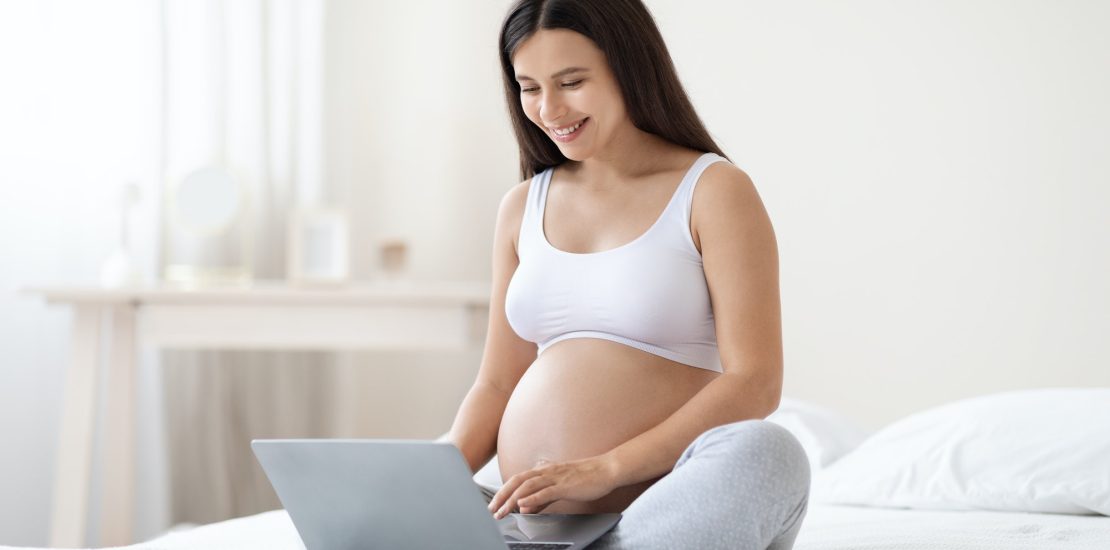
<point x="261" y="315"/>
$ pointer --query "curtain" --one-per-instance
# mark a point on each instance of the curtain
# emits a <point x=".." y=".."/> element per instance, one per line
<point x="241" y="88"/>
<point x="79" y="119"/>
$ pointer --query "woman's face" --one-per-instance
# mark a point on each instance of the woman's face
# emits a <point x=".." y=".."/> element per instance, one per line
<point x="565" y="81"/>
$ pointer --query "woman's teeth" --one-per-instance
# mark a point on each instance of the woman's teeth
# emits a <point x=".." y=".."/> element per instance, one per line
<point x="568" y="131"/>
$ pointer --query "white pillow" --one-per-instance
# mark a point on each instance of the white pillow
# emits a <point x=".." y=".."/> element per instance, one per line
<point x="826" y="435"/>
<point x="1045" y="450"/>
<point x="490" y="474"/>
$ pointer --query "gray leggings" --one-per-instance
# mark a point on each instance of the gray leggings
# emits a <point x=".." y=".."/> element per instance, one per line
<point x="740" y="486"/>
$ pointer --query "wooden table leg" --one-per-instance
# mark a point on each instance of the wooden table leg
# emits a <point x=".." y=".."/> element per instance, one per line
<point x="118" y="497"/>
<point x="72" y="471"/>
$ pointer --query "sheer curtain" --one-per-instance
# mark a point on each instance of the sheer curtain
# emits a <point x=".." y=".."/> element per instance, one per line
<point x="79" y="118"/>
<point x="243" y="86"/>
<point x="100" y="94"/>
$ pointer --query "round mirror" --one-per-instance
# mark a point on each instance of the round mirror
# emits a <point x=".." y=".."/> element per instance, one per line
<point x="207" y="200"/>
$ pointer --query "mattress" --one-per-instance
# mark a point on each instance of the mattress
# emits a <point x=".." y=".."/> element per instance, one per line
<point x="826" y="527"/>
<point x="833" y="527"/>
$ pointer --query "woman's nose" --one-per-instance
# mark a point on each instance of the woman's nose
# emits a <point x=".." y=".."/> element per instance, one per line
<point x="551" y="108"/>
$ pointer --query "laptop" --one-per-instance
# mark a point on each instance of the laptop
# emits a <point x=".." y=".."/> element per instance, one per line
<point x="401" y="494"/>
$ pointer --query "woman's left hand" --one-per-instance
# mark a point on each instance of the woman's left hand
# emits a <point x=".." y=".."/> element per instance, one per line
<point x="533" y="490"/>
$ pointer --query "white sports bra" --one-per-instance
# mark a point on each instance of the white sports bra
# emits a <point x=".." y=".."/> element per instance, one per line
<point x="650" y="293"/>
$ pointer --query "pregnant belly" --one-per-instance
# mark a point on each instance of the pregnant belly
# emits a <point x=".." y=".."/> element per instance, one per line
<point x="583" y="397"/>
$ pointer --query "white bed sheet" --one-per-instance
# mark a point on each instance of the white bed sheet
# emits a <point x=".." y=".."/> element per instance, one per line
<point x="834" y="527"/>
<point x="826" y="527"/>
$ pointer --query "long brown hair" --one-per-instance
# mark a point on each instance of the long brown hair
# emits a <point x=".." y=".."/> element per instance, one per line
<point x="626" y="32"/>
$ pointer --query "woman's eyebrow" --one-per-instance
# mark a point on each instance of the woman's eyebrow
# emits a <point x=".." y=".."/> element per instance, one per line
<point x="563" y="72"/>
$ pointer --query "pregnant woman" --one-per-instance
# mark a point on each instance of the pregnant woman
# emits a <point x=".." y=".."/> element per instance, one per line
<point x="634" y="341"/>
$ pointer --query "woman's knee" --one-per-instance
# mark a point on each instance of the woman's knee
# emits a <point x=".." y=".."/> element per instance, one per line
<point x="752" y="442"/>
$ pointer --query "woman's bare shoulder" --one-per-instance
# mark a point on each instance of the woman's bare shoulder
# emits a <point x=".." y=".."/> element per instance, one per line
<point x="511" y="210"/>
<point x="724" y="187"/>
<point x="512" y="202"/>
<point x="727" y="176"/>
<point x="724" y="197"/>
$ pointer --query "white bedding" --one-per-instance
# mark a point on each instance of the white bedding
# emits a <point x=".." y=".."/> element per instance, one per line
<point x="836" y="527"/>
<point x="826" y="527"/>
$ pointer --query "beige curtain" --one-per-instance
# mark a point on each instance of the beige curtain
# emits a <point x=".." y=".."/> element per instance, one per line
<point x="252" y="70"/>
<point x="216" y="402"/>
<point x="241" y="88"/>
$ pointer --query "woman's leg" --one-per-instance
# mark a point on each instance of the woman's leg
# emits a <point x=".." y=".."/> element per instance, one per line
<point x="741" y="486"/>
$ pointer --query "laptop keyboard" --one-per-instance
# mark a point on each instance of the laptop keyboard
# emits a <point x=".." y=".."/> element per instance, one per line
<point x="522" y="545"/>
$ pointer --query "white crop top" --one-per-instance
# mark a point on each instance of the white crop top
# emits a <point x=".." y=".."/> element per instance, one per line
<point x="650" y="293"/>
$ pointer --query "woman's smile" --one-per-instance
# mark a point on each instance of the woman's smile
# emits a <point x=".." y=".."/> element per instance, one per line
<point x="566" y="134"/>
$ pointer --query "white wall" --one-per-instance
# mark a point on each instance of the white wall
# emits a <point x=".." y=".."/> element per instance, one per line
<point x="418" y="141"/>
<point x="936" y="174"/>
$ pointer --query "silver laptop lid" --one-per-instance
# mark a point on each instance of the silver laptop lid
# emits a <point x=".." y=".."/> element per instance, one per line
<point x="388" y="494"/>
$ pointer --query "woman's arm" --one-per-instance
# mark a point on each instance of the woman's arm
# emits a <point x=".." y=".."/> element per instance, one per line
<point x="506" y="356"/>
<point x="728" y="398"/>
<point x="740" y="258"/>
<point x="476" y="424"/>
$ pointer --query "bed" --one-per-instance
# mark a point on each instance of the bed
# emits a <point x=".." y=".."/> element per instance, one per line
<point x="1017" y="470"/>
<point x="826" y="527"/>
<point x="842" y="527"/>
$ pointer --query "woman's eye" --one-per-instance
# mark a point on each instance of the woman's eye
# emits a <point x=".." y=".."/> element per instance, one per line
<point x="565" y="85"/>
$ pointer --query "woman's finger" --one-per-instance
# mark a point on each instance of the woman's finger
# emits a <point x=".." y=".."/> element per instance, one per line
<point x="509" y="488"/>
<point x="540" y="499"/>
<point x="527" y="488"/>
<point x="536" y="509"/>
